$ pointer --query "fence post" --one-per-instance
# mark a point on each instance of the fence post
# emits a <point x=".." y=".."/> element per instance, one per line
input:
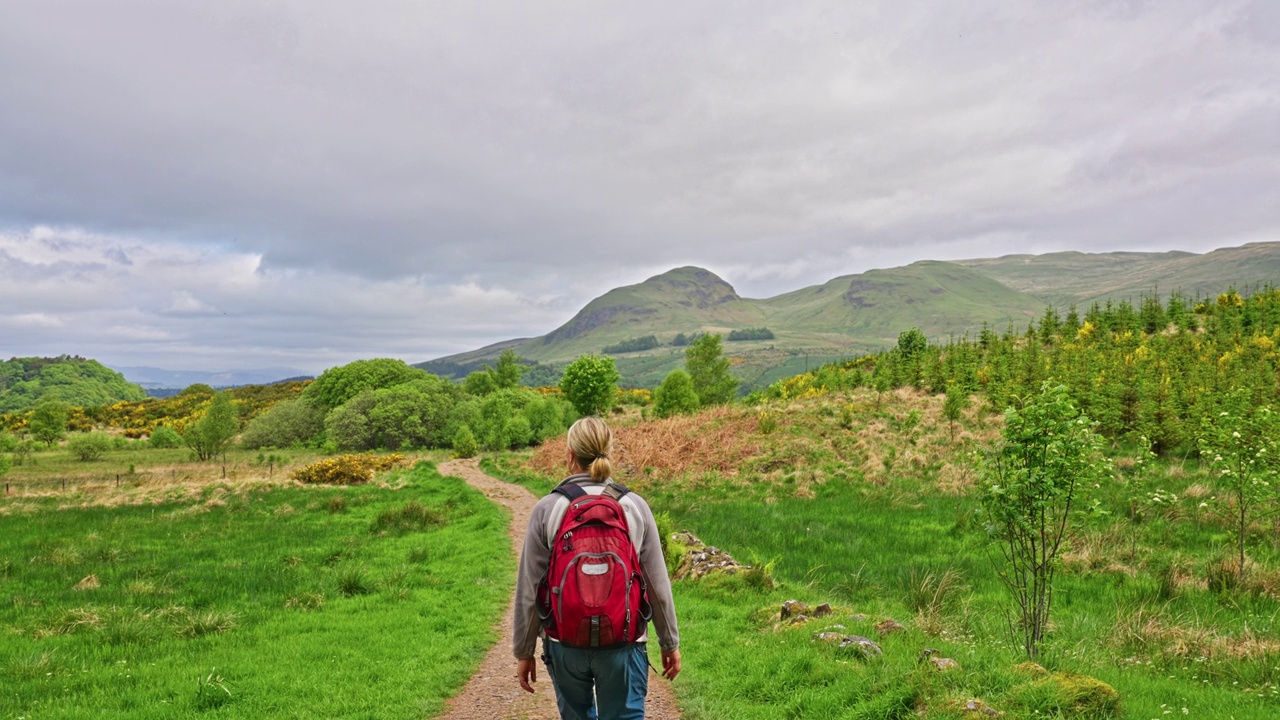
<point x="64" y="483"/>
<point x="117" y="479"/>
<point x="6" y="488"/>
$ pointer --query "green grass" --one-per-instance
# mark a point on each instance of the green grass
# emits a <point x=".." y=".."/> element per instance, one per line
<point x="870" y="553"/>
<point x="259" y="603"/>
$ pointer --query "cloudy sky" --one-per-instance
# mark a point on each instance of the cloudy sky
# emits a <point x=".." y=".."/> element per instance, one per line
<point x="223" y="184"/>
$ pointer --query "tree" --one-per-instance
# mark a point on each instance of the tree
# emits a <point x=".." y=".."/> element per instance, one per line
<point x="957" y="400"/>
<point x="211" y="434"/>
<point x="49" y="422"/>
<point x="675" y="396"/>
<point x="1048" y="450"/>
<point x="590" y="383"/>
<point x="709" y="370"/>
<point x="479" y="383"/>
<point x="337" y="385"/>
<point x="1242" y="445"/>
<point x="912" y="343"/>
<point x="287" y="423"/>
<point x="506" y="373"/>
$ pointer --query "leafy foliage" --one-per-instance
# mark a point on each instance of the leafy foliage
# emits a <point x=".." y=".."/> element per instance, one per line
<point x="648" y="342"/>
<point x="287" y="423"/>
<point x="464" y="442"/>
<point x="165" y="437"/>
<point x="213" y="432"/>
<point x="709" y="370"/>
<point x="675" y="396"/>
<point x="590" y="383"/>
<point x="760" y="333"/>
<point x="70" y="380"/>
<point x="337" y="385"/>
<point x="1242" y="446"/>
<point x="90" y="446"/>
<point x="1029" y="486"/>
<point x="48" y="423"/>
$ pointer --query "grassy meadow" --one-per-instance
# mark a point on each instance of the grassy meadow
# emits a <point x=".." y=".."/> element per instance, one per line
<point x="248" y="599"/>
<point x="866" y="503"/>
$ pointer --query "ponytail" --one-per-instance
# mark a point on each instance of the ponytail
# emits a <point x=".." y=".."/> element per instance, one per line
<point x="590" y="440"/>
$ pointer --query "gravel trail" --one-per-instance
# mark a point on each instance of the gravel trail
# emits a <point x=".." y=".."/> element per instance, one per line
<point x="493" y="692"/>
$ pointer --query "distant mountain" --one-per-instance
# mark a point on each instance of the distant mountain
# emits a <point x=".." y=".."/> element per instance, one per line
<point x="855" y="314"/>
<point x="1062" y="279"/>
<point x="157" y="378"/>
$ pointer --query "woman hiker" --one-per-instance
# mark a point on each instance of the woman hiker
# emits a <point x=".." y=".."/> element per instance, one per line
<point x="591" y="576"/>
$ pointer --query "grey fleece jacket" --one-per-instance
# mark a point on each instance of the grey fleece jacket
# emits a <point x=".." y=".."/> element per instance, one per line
<point x="544" y="523"/>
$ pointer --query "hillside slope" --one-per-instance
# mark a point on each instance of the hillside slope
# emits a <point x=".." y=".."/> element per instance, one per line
<point x="1064" y="278"/>
<point x="24" y="382"/>
<point x="856" y="314"/>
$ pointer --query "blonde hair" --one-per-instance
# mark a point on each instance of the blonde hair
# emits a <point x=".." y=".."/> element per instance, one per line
<point x="590" y="440"/>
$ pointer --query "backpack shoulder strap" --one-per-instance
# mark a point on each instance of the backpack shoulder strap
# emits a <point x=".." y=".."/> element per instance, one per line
<point x="573" y="491"/>
<point x="615" y="490"/>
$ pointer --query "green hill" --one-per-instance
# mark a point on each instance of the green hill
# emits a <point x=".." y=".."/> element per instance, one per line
<point x="1064" y="278"/>
<point x="857" y="314"/>
<point x="72" y="380"/>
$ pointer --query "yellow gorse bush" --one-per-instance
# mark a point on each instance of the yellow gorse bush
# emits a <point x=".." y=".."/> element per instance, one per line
<point x="350" y="469"/>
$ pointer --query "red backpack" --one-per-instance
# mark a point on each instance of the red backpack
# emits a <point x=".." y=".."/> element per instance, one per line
<point x="593" y="595"/>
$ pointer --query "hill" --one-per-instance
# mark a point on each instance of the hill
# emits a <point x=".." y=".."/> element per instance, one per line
<point x="1062" y="279"/>
<point x="76" y="381"/>
<point x="862" y="313"/>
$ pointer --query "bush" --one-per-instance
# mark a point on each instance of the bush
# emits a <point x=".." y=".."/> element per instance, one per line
<point x="675" y="396"/>
<point x="287" y="423"/>
<point x="464" y="443"/>
<point x="8" y="443"/>
<point x="91" y="446"/>
<point x="346" y="469"/>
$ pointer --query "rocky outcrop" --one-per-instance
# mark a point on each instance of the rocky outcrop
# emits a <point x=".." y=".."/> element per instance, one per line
<point x="701" y="559"/>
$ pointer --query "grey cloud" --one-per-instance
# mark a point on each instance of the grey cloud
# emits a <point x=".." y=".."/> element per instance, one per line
<point x="560" y="149"/>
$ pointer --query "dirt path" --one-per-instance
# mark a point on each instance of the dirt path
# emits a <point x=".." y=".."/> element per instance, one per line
<point x="493" y="693"/>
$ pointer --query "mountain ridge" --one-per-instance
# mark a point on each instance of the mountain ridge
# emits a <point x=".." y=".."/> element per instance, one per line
<point x="864" y="312"/>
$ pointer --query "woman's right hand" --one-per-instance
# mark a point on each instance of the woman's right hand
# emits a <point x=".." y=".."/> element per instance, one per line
<point x="670" y="664"/>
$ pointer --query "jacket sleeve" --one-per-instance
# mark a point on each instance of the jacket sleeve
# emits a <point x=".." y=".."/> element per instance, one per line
<point x="658" y="583"/>
<point x="534" y="559"/>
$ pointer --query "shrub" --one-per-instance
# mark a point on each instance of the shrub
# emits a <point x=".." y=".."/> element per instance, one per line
<point x="346" y="469"/>
<point x="8" y="443"/>
<point x="91" y="446"/>
<point x="165" y="437"/>
<point x="675" y="396"/>
<point x="287" y="423"/>
<point x="464" y="442"/>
